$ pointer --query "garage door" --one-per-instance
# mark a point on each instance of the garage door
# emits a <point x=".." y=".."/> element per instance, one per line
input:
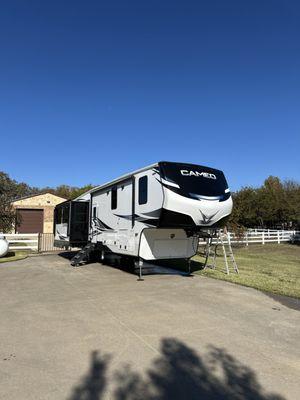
<point x="31" y="221"/>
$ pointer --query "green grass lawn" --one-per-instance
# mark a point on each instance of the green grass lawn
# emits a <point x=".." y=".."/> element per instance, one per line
<point x="272" y="268"/>
<point x="14" y="256"/>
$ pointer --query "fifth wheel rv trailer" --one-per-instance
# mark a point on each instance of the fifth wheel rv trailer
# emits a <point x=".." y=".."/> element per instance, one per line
<point x="157" y="212"/>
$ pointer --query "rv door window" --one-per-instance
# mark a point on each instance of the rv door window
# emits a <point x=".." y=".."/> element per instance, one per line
<point x="143" y="190"/>
<point x="94" y="212"/>
<point x="114" y="198"/>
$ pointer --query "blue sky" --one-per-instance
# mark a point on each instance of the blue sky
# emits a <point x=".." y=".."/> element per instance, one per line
<point x="90" y="90"/>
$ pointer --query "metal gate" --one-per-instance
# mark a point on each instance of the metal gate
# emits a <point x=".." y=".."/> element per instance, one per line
<point x="46" y="242"/>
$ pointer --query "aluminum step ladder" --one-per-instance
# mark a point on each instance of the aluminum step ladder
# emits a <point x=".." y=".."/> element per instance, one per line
<point x="83" y="255"/>
<point x="221" y="239"/>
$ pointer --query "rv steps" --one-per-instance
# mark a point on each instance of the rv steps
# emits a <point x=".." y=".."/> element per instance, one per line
<point x="83" y="255"/>
<point x="223" y="239"/>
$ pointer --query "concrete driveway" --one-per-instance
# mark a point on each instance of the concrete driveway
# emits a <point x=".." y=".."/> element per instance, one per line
<point x="94" y="332"/>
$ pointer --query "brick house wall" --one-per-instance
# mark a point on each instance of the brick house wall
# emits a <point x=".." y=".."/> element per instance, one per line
<point x="45" y="202"/>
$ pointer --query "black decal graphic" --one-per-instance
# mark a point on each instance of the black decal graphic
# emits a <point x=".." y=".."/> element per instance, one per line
<point x="99" y="226"/>
<point x="154" y="213"/>
<point x="140" y="218"/>
<point x="207" y="218"/>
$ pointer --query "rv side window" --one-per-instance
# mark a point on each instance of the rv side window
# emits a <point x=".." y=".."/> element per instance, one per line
<point x="114" y="198"/>
<point x="94" y="212"/>
<point x="65" y="214"/>
<point x="143" y="189"/>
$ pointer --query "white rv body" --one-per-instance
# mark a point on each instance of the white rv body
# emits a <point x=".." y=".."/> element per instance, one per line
<point x="130" y="229"/>
<point x="157" y="212"/>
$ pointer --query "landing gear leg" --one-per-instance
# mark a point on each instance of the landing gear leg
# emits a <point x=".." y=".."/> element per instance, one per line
<point x="189" y="266"/>
<point x="102" y="256"/>
<point x="140" y="278"/>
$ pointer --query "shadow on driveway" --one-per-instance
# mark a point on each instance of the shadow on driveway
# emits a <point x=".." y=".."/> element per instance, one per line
<point x="126" y="264"/>
<point x="177" y="374"/>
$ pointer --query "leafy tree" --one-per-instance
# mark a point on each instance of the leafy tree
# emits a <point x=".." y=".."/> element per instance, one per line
<point x="275" y="204"/>
<point x="78" y="191"/>
<point x="244" y="209"/>
<point x="7" y="214"/>
<point x="10" y="190"/>
<point x="292" y="193"/>
<point x="68" y="192"/>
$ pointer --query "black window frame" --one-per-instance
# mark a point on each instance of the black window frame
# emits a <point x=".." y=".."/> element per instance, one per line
<point x="192" y="185"/>
<point x="94" y="211"/>
<point x="65" y="214"/>
<point x="143" y="190"/>
<point x="58" y="215"/>
<point x="114" y="198"/>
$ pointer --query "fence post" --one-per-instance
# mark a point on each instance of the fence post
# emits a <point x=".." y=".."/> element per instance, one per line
<point x="247" y="244"/>
<point x="228" y="238"/>
<point x="263" y="237"/>
<point x="39" y="242"/>
<point x="278" y="237"/>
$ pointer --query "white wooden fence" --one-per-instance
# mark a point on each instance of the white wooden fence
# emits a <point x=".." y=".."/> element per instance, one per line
<point x="31" y="241"/>
<point x="23" y="241"/>
<point x="45" y="241"/>
<point x="262" y="236"/>
<point x="268" y="236"/>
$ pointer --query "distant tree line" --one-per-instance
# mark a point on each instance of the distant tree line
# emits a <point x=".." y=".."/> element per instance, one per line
<point x="11" y="190"/>
<point x="276" y="204"/>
